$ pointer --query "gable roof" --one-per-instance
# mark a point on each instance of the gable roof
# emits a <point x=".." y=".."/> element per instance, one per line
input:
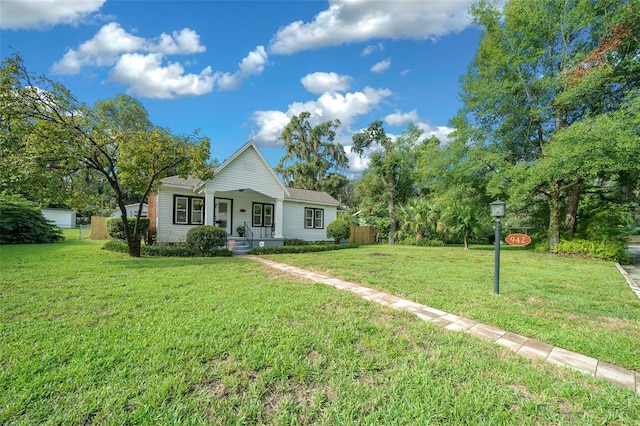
<point x="251" y="144"/>
<point x="311" y="196"/>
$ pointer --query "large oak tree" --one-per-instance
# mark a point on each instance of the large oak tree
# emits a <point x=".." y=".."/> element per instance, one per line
<point x="52" y="143"/>
<point x="543" y="66"/>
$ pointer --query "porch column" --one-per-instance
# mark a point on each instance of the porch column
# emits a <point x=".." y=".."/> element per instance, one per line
<point x="278" y="220"/>
<point x="209" y="207"/>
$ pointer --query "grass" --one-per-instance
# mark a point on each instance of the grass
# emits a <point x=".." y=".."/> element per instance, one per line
<point x="579" y="304"/>
<point x="95" y="337"/>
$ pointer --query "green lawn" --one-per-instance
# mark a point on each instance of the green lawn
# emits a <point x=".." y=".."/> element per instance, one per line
<point x="579" y="304"/>
<point x="93" y="337"/>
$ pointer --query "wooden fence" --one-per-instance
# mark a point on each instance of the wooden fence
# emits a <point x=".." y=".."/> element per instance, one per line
<point x="99" y="228"/>
<point x="363" y="235"/>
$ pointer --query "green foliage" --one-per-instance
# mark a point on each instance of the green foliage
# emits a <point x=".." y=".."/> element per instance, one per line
<point x="610" y="224"/>
<point x="423" y="242"/>
<point x="70" y="149"/>
<point x="115" y="227"/>
<point x="309" y="248"/>
<point x="549" y="111"/>
<point x="339" y="230"/>
<point x="22" y="222"/>
<point x="206" y="238"/>
<point x="295" y="242"/>
<point x="312" y="159"/>
<point x="606" y="250"/>
<point x="167" y="250"/>
<point x="390" y="169"/>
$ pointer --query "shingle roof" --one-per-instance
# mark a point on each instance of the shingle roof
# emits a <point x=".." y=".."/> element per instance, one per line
<point x="190" y="182"/>
<point x="311" y="196"/>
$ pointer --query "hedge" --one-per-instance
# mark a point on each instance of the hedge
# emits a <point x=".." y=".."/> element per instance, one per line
<point x="166" y="250"/>
<point x="311" y="248"/>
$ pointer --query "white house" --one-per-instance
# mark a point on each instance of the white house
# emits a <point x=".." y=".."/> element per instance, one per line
<point x="62" y="218"/>
<point x="245" y="191"/>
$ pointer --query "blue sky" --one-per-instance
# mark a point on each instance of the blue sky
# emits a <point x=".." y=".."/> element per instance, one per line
<point x="239" y="70"/>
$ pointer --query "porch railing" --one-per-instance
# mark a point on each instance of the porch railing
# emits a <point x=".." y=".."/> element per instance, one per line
<point x="258" y="231"/>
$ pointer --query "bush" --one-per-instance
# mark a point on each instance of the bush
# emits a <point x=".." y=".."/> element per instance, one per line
<point x="425" y="242"/>
<point x="206" y="238"/>
<point x="295" y="242"/>
<point x="115" y="227"/>
<point x="339" y="230"/>
<point x="606" y="250"/>
<point x="311" y="248"/>
<point x="22" y="222"/>
<point x="166" y="250"/>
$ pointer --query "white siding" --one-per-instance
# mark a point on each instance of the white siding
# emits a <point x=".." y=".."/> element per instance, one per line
<point x="60" y="217"/>
<point x="167" y="231"/>
<point x="247" y="171"/>
<point x="293" y="226"/>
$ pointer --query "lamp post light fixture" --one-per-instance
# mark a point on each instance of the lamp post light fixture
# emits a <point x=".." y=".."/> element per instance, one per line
<point x="497" y="211"/>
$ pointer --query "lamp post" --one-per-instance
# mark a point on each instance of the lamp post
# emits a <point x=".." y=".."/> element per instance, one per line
<point x="497" y="211"/>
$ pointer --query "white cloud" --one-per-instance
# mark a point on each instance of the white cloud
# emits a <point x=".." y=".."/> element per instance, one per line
<point x="371" y="49"/>
<point x="17" y="14"/>
<point x="349" y="21"/>
<point x="270" y="126"/>
<point x="322" y="82"/>
<point x="405" y="72"/>
<point x="398" y="118"/>
<point x="252" y="64"/>
<point x="328" y="106"/>
<point x="142" y="64"/>
<point x="441" y="132"/>
<point x="147" y="77"/>
<point x="185" y="41"/>
<point x="111" y="41"/>
<point x="357" y="165"/>
<point x="381" y="66"/>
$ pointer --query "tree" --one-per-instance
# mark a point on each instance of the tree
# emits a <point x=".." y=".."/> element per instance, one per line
<point x="389" y="162"/>
<point x="312" y="160"/>
<point x="541" y="67"/>
<point x="114" y="141"/>
<point x="22" y="222"/>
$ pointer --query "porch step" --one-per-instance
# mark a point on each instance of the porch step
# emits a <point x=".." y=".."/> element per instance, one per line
<point x="242" y="246"/>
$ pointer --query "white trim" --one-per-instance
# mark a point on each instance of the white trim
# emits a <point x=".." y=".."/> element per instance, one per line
<point x="255" y="148"/>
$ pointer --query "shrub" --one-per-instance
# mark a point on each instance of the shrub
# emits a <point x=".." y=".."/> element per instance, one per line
<point x="295" y="242"/>
<point x="115" y="227"/>
<point x="310" y="248"/>
<point x="166" y="250"/>
<point x="339" y="230"/>
<point x="606" y="250"/>
<point x="22" y="222"/>
<point x="425" y="242"/>
<point x="206" y="238"/>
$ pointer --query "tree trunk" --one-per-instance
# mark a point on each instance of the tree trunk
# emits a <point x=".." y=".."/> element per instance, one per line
<point x="134" y="247"/>
<point x="571" y="219"/>
<point x="466" y="239"/>
<point x="554" y="215"/>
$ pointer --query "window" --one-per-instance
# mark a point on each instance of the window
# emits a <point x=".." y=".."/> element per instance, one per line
<point x="262" y="215"/>
<point x="188" y="210"/>
<point x="313" y="218"/>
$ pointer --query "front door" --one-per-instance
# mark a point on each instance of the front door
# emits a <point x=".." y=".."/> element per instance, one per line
<point x="223" y="214"/>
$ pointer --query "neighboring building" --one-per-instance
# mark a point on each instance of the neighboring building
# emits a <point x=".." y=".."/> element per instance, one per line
<point x="132" y="210"/>
<point x="246" y="191"/>
<point x="62" y="218"/>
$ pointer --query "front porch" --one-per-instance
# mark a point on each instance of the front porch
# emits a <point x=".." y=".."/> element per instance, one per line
<point x="259" y="215"/>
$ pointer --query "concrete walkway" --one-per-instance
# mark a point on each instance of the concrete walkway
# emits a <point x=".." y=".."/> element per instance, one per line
<point x="522" y="345"/>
